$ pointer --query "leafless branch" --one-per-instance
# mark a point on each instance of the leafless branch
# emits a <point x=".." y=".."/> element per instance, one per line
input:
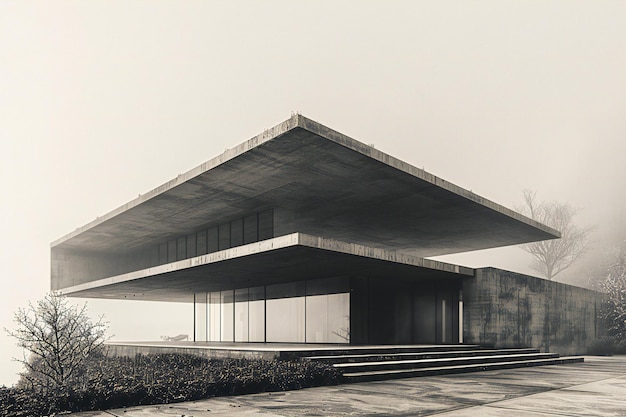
<point x="56" y="337"/>
<point x="552" y="257"/>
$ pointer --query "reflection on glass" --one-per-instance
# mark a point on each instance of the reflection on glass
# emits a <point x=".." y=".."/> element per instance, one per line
<point x="277" y="313"/>
<point x="316" y="318"/>
<point x="285" y="320"/>
<point x="328" y="318"/>
<point x="256" y="314"/>
<point x="289" y="289"/>
<point x="338" y="318"/>
<point x="214" y="317"/>
<point x="228" y="316"/>
<point x="257" y="320"/>
<point x="200" y="307"/>
<point x="332" y="285"/>
<point x="241" y="315"/>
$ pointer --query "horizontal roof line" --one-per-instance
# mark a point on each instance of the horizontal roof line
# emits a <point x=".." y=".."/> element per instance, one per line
<point x="290" y="240"/>
<point x="299" y="121"/>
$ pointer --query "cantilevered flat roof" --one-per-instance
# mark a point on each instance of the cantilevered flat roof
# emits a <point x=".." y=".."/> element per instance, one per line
<point x="288" y="258"/>
<point x="333" y="185"/>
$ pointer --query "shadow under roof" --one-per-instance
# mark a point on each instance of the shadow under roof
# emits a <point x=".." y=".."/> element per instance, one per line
<point x="333" y="185"/>
<point x="288" y="258"/>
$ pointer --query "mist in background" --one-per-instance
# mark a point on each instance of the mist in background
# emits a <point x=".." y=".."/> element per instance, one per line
<point x="103" y="100"/>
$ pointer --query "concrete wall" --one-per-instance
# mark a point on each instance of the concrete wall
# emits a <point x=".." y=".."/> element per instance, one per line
<point x="506" y="309"/>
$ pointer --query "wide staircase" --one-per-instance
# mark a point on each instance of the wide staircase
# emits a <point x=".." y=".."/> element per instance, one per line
<point x="359" y="364"/>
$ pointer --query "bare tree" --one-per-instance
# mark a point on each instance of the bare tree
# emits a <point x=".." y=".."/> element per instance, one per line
<point x="57" y="338"/>
<point x="552" y="257"/>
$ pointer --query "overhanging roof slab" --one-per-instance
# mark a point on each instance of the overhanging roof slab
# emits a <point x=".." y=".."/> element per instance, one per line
<point x="335" y="186"/>
<point x="287" y="258"/>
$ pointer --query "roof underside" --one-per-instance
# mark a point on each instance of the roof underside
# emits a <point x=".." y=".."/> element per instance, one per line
<point x="335" y="187"/>
<point x="287" y="258"/>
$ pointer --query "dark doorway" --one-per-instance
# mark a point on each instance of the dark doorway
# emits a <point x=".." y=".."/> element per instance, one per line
<point x="404" y="311"/>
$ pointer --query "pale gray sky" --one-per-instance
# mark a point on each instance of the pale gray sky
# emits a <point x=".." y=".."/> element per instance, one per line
<point x="103" y="100"/>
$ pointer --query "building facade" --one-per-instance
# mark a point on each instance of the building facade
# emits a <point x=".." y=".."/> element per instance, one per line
<point x="299" y="235"/>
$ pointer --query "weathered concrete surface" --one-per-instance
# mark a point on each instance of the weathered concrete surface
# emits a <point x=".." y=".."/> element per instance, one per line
<point x="596" y="387"/>
<point x="266" y="351"/>
<point x="321" y="182"/>
<point x="506" y="309"/>
<point x="286" y="258"/>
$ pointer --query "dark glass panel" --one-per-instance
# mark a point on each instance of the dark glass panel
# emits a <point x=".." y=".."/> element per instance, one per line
<point x="256" y="293"/>
<point x="201" y="243"/>
<point x="212" y="245"/>
<point x="224" y="236"/>
<point x="181" y="248"/>
<point x="289" y="289"/>
<point x="236" y="233"/>
<point x="250" y="229"/>
<point x="163" y="253"/>
<point x="171" y="251"/>
<point x="327" y="285"/>
<point x="266" y="224"/>
<point x="241" y="294"/>
<point x="191" y="245"/>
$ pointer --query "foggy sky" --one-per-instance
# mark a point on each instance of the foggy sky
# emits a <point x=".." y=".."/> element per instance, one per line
<point x="103" y="100"/>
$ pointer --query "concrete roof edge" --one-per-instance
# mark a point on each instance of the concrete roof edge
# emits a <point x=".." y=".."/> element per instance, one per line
<point x="381" y="254"/>
<point x="232" y="253"/>
<point x="225" y="156"/>
<point x="285" y="241"/>
<point x="300" y="121"/>
<point x="360" y="147"/>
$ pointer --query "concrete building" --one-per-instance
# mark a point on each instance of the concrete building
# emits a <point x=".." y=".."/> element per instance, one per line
<point x="304" y="235"/>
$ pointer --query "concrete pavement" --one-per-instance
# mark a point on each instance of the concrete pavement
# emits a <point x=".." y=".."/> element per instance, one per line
<point x="596" y="387"/>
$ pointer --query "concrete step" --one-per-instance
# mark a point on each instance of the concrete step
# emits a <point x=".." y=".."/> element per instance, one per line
<point x="376" y="375"/>
<point x="440" y="362"/>
<point x="372" y="350"/>
<point x="381" y="357"/>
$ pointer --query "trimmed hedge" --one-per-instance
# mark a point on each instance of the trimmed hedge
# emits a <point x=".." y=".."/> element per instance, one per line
<point x="115" y="382"/>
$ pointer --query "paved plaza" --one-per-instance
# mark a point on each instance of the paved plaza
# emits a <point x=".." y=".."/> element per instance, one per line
<point x="596" y="387"/>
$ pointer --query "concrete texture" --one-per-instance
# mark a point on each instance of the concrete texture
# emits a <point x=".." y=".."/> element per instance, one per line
<point x="505" y="309"/>
<point x="267" y="351"/>
<point x="596" y="387"/>
<point x="286" y="258"/>
<point x="321" y="182"/>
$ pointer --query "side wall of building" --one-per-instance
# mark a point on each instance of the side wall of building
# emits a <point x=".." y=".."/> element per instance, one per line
<point x="505" y="309"/>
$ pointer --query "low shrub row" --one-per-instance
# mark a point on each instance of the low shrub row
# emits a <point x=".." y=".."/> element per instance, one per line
<point x="115" y="382"/>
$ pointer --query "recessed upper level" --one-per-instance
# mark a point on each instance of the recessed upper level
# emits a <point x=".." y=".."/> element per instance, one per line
<point x="316" y="181"/>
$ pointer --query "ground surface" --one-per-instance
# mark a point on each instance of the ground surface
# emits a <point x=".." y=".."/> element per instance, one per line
<point x="596" y="387"/>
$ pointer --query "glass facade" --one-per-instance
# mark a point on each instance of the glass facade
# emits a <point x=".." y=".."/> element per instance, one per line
<point x="328" y="318"/>
<point x="242" y="314"/>
<point x="201" y="325"/>
<point x="215" y="317"/>
<point x="227" y="325"/>
<point x="252" y="228"/>
<point x="312" y="311"/>
<point x="256" y="314"/>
